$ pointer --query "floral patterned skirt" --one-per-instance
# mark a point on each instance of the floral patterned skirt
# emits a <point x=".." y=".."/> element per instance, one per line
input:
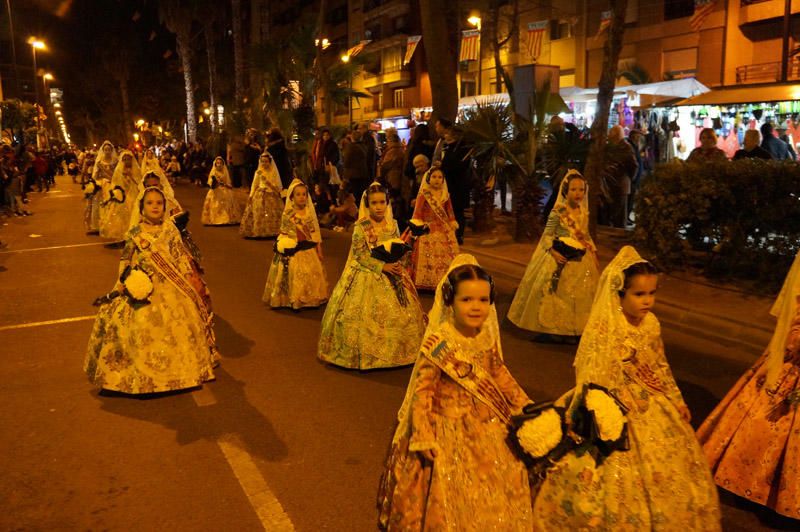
<point x="475" y="483"/>
<point x="432" y="256"/>
<point x="91" y="215"/>
<point x="158" y="347"/>
<point x="297" y="281"/>
<point x="537" y="308"/>
<point x="661" y="483"/>
<point x="221" y="207"/>
<point x="262" y="215"/>
<point x="365" y="325"/>
<point x="752" y="441"/>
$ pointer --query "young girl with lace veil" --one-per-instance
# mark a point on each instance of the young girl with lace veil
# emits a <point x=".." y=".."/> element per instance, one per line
<point x="99" y="183"/>
<point x="296" y="277"/>
<point x="220" y="206"/>
<point x="450" y="466"/>
<point x="374" y="318"/>
<point x="752" y="438"/>
<point x="119" y="201"/>
<point x="663" y="481"/>
<point x="152" y="332"/>
<point x="555" y="295"/>
<point x="150" y="164"/>
<point x="262" y="215"/>
<point x="434" y="251"/>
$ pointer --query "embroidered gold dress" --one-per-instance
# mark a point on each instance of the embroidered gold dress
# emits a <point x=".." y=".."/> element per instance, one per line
<point x="564" y="312"/>
<point x="752" y="438"/>
<point x="371" y="321"/>
<point x="262" y="215"/>
<point x="160" y="346"/>
<point x="458" y="404"/>
<point x="663" y="482"/>
<point x="221" y="207"/>
<point x="102" y="173"/>
<point x="433" y="252"/>
<point x="117" y="216"/>
<point x="298" y="280"/>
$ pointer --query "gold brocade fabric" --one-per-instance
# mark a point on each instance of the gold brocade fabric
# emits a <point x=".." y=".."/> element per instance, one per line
<point x="262" y="215"/>
<point x="221" y="207"/>
<point x="662" y="483"/>
<point x="365" y="325"/>
<point x="156" y="347"/>
<point x="752" y="438"/>
<point x="535" y="307"/>
<point x="299" y="280"/>
<point x="433" y="252"/>
<point x="91" y="214"/>
<point x="475" y="482"/>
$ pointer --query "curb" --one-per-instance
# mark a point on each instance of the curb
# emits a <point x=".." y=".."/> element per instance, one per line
<point x="671" y="312"/>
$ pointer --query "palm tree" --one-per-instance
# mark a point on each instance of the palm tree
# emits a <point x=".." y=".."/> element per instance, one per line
<point x="636" y="74"/>
<point x="595" y="165"/>
<point x="176" y="16"/>
<point x="238" y="52"/>
<point x="497" y="42"/>
<point x="206" y="11"/>
<point x="440" y="34"/>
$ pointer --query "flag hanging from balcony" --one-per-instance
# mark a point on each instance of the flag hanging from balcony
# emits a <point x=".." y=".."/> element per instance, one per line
<point x="702" y="8"/>
<point x="470" y="41"/>
<point x="355" y="50"/>
<point x="536" y="31"/>
<point x="411" y="46"/>
<point x="605" y="22"/>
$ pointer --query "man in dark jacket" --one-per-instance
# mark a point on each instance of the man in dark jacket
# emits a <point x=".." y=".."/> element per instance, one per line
<point x="456" y="167"/>
<point x="751" y="148"/>
<point x="354" y="166"/>
<point x="775" y="146"/>
<point x="368" y="142"/>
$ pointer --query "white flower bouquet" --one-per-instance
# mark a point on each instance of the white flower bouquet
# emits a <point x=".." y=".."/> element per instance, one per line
<point x="138" y="286"/>
<point x="91" y="188"/>
<point x="608" y="416"/>
<point x="539" y="435"/>
<point x="599" y="423"/>
<point x="418" y="227"/>
<point x="285" y="243"/>
<point x="116" y="194"/>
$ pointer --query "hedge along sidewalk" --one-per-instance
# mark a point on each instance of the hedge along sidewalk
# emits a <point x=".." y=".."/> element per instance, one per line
<point x="686" y="302"/>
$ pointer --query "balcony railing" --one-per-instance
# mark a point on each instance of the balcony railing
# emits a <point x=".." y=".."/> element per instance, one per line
<point x="765" y="72"/>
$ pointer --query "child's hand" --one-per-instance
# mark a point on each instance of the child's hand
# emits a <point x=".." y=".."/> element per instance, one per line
<point x="561" y="259"/>
<point x="393" y="268"/>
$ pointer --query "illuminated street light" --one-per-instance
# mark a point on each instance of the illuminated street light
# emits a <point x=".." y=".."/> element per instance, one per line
<point x="37" y="43"/>
<point x="58" y="113"/>
<point x="475" y="21"/>
<point x="140" y="122"/>
<point x="47" y="76"/>
<point x="345" y="58"/>
<point x="207" y="111"/>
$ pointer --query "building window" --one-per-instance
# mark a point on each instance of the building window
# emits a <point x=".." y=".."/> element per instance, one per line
<point x="468" y="87"/>
<point x="373" y="32"/>
<point x="560" y="29"/>
<point x="678" y="9"/>
<point x="399" y="101"/>
<point x="400" y="24"/>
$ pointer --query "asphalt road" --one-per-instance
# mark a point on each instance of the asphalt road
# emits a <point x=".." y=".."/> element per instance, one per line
<point x="278" y="441"/>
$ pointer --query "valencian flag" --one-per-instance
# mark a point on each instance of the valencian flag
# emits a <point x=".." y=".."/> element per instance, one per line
<point x="702" y="8"/>
<point x="411" y="46"/>
<point x="469" y="45"/>
<point x="355" y="50"/>
<point x="605" y="22"/>
<point x="536" y="31"/>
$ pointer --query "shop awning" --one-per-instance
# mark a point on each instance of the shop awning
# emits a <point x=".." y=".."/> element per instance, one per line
<point x="773" y="92"/>
<point x="660" y="90"/>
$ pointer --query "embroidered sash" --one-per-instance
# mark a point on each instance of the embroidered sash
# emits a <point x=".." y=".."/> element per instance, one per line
<point x="437" y="207"/>
<point x="472" y="377"/>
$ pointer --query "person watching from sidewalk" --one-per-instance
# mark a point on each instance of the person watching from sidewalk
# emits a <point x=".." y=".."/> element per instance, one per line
<point x="775" y="146"/>
<point x="457" y="166"/>
<point x="707" y="151"/>
<point x="752" y="150"/>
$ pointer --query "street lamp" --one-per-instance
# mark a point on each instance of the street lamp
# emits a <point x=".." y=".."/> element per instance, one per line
<point x="475" y="20"/>
<point x="36" y="44"/>
<point x="346" y="59"/>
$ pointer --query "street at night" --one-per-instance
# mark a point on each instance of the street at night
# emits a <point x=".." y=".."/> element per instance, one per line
<point x="279" y="440"/>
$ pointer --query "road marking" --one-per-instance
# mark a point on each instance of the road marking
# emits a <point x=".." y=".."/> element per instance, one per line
<point x="48" y="322"/>
<point x="267" y="507"/>
<point x="55" y="247"/>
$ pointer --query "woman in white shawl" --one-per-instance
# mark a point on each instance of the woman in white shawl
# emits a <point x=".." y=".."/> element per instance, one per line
<point x="752" y="438"/>
<point x="119" y="202"/>
<point x="296" y="277"/>
<point x="555" y="295"/>
<point x="150" y="164"/>
<point x="450" y="466"/>
<point x="262" y="216"/>
<point x="220" y="206"/>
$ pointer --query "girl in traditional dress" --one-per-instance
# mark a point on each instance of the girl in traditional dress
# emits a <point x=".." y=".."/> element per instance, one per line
<point x="92" y="195"/>
<point x="102" y="172"/>
<point x="374" y="318"/>
<point x="159" y="181"/>
<point x="662" y="482"/>
<point x="450" y="467"/>
<point x="752" y="438"/>
<point x="151" y="337"/>
<point x="555" y="295"/>
<point x="220" y="206"/>
<point x="296" y="277"/>
<point x="433" y="252"/>
<point x="120" y="198"/>
<point x="262" y="216"/>
<point x="150" y="164"/>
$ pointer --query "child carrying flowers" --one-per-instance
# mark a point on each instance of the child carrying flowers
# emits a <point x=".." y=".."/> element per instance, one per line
<point x="449" y="466"/>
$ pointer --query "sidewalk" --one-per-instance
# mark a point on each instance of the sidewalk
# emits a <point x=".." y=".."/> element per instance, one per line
<point x="686" y="302"/>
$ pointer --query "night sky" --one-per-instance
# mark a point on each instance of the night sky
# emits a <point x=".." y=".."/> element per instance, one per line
<point x="89" y="41"/>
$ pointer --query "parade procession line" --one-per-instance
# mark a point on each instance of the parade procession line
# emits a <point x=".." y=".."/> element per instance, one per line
<point x="42" y="323"/>
<point x="264" y="502"/>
